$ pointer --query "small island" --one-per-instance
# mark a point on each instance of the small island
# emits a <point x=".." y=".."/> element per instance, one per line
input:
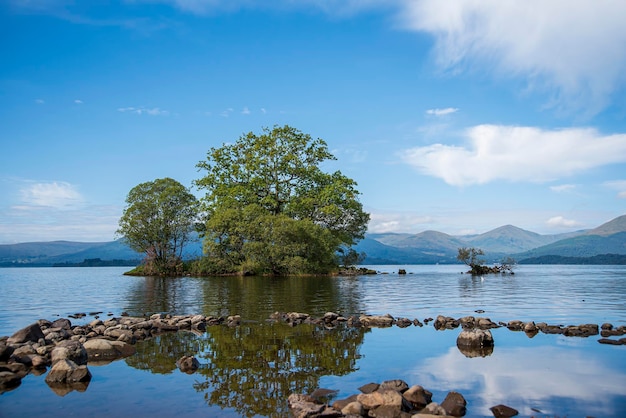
<point x="268" y="209"/>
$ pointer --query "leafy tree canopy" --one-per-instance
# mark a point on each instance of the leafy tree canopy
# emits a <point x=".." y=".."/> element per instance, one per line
<point x="157" y="221"/>
<point x="271" y="209"/>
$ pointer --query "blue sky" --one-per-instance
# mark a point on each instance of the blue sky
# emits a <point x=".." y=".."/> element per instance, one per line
<point x="456" y="116"/>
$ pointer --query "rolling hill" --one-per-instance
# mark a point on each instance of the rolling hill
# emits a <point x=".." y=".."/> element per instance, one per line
<point x="606" y="242"/>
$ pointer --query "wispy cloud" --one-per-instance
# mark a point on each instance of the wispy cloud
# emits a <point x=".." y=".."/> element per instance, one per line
<point x="442" y="112"/>
<point x="495" y="152"/>
<point x="245" y="111"/>
<point x="576" y="50"/>
<point x="227" y="112"/>
<point x="78" y="101"/>
<point x="155" y="111"/>
<point x="619" y="186"/>
<point x="60" y="195"/>
<point x="563" y="188"/>
<point x="40" y="101"/>
<point x="561" y="222"/>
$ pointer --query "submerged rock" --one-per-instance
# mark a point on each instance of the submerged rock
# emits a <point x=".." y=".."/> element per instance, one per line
<point x="188" y="364"/>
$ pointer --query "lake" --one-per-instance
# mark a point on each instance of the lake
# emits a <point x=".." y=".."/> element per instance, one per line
<point x="251" y="369"/>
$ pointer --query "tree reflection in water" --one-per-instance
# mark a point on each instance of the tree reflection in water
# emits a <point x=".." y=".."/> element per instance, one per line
<point x="254" y="367"/>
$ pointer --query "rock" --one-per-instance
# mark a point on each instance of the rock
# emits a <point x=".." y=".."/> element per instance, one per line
<point x="381" y="397"/>
<point x="339" y="404"/>
<point x="401" y="271"/>
<point x="330" y="317"/>
<point x="353" y="408"/>
<point x="369" y="388"/>
<point x="434" y="408"/>
<point x="473" y="352"/>
<point x="445" y="322"/>
<point x="486" y="323"/>
<point x="584" y="330"/>
<point x="31" y="332"/>
<point x="388" y="411"/>
<point x="66" y="371"/>
<point x="397" y="385"/>
<point x="474" y="338"/>
<point x="5" y="352"/>
<point x="39" y="362"/>
<point x="503" y="411"/>
<point x="303" y="406"/>
<point x="188" y="364"/>
<point x="418" y="397"/>
<point x="609" y="341"/>
<point x="454" y="404"/>
<point x="515" y="325"/>
<point x="62" y="323"/>
<point x="377" y="320"/>
<point x="606" y="326"/>
<point x="233" y="321"/>
<point x="322" y="394"/>
<point x="9" y="381"/>
<point x="467" y="322"/>
<point x="404" y="322"/>
<point x="69" y="350"/>
<point x="101" y="349"/>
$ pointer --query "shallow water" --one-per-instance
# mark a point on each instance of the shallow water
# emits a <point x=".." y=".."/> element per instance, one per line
<point x="250" y="370"/>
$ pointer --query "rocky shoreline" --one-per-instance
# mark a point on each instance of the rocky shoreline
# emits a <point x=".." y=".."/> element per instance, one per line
<point x="67" y="349"/>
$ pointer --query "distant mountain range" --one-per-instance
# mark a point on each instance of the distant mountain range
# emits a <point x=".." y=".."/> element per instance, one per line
<point x="605" y="244"/>
<point x="431" y="247"/>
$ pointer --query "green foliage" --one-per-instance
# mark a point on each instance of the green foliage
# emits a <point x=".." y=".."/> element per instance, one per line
<point x="157" y="221"/>
<point x="272" y="210"/>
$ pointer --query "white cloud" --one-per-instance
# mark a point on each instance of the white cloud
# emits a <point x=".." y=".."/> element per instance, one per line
<point x="155" y="111"/>
<point x="561" y="222"/>
<point x="504" y="378"/>
<point x="40" y="101"/>
<point x="78" y="101"/>
<point x="263" y="110"/>
<point x="245" y="111"/>
<point x="574" y="49"/>
<point x="396" y="222"/>
<point x="442" y="112"/>
<point x="563" y="188"/>
<point x="58" y="195"/>
<point x="512" y="153"/>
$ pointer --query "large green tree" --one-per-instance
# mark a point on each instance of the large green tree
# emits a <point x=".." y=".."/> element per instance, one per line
<point x="158" y="220"/>
<point x="271" y="208"/>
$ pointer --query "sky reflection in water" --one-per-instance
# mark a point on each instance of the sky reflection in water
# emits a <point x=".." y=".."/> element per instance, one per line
<point x="555" y="374"/>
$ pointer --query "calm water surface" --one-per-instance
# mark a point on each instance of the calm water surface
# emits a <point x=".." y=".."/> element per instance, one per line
<point x="250" y="370"/>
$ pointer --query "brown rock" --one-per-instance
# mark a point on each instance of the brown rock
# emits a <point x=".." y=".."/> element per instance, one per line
<point x="397" y="385"/>
<point x="70" y="350"/>
<point x="188" y="364"/>
<point x="304" y="406"/>
<point x="31" y="332"/>
<point x="503" y="411"/>
<point x="369" y="388"/>
<point x="418" y="396"/>
<point x="454" y="404"/>
<point x="101" y="349"/>
<point x="66" y="371"/>
<point x="474" y="338"/>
